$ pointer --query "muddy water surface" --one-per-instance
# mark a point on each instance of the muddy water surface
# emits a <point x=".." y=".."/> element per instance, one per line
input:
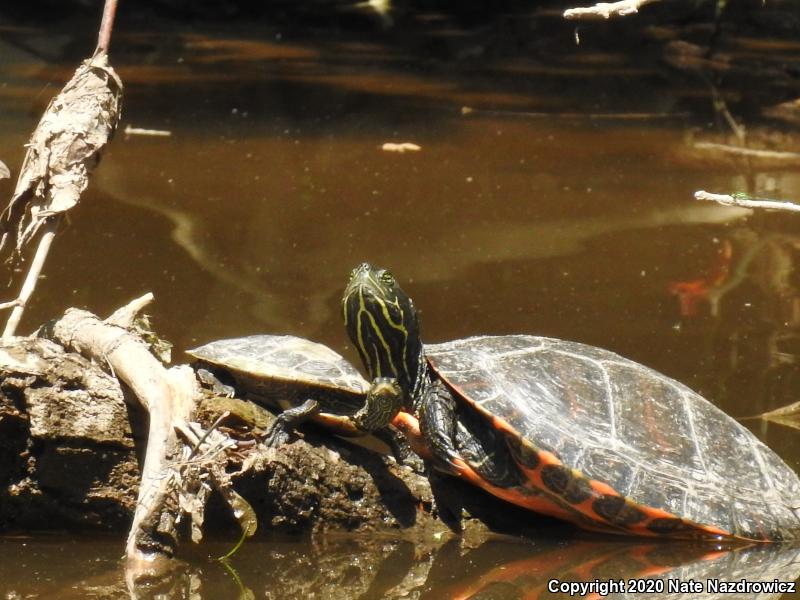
<point x="552" y="195"/>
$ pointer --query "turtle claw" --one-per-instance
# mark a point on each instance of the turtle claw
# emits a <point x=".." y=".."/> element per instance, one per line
<point x="277" y="435"/>
<point x="413" y="462"/>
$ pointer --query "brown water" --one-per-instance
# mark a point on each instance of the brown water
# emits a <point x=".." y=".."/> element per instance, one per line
<point x="273" y="185"/>
<point x="351" y="567"/>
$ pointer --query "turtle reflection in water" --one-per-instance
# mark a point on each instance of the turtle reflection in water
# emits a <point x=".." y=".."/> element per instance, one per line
<point x="570" y="430"/>
<point x="602" y="569"/>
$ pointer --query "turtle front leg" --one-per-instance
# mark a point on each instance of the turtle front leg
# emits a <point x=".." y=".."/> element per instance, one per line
<point x="437" y="428"/>
<point x="384" y="400"/>
<point x="286" y="422"/>
<point x="383" y="403"/>
<point x="437" y="421"/>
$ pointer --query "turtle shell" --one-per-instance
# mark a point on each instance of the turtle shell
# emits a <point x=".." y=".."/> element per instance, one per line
<point x="609" y="440"/>
<point x="284" y="371"/>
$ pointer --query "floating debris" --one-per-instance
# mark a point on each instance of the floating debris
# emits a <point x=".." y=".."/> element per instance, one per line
<point x="401" y="147"/>
<point x="152" y="132"/>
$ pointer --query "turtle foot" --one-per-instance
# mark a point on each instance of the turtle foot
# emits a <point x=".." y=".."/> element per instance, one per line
<point x="401" y="449"/>
<point x="279" y="433"/>
<point x="413" y="462"/>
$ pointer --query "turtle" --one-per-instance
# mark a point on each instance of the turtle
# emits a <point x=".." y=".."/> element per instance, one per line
<point x="571" y="430"/>
<point x="304" y="380"/>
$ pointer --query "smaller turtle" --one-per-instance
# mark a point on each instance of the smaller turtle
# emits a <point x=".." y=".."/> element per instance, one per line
<point x="304" y="380"/>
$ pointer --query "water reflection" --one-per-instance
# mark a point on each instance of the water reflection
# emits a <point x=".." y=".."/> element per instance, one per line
<point x="750" y="290"/>
<point x="361" y="568"/>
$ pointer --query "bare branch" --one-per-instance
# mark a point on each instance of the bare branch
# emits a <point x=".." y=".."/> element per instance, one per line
<point x="606" y="10"/>
<point x="125" y="316"/>
<point x="745" y="201"/>
<point x="106" y="26"/>
<point x="31" y="279"/>
<point x="149" y="132"/>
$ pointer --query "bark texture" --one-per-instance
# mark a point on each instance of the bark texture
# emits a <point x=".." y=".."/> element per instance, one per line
<point x="67" y="454"/>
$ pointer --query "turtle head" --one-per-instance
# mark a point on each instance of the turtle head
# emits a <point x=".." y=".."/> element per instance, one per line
<point x="382" y="322"/>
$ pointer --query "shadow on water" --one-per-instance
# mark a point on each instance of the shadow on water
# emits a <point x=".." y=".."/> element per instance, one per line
<point x="527" y="210"/>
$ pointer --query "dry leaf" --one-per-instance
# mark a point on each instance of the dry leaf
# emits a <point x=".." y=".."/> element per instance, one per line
<point x="786" y="415"/>
<point x="5" y="172"/>
<point x="64" y="149"/>
<point x="203" y="469"/>
<point x="242" y="511"/>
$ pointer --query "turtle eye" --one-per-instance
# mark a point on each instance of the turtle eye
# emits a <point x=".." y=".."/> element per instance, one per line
<point x="387" y="278"/>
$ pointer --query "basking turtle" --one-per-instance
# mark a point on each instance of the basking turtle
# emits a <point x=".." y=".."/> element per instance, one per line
<point x="305" y="380"/>
<point x="571" y="430"/>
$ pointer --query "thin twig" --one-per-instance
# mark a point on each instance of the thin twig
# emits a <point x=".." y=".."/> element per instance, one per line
<point x="747" y="202"/>
<point x="106" y="26"/>
<point x="606" y="10"/>
<point x="32" y="277"/>
<point x="148" y="132"/>
<point x="213" y="427"/>
<point x="775" y="155"/>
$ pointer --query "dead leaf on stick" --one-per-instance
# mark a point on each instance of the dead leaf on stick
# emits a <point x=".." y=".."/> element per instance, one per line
<point x="64" y="149"/>
<point x="5" y="172"/>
